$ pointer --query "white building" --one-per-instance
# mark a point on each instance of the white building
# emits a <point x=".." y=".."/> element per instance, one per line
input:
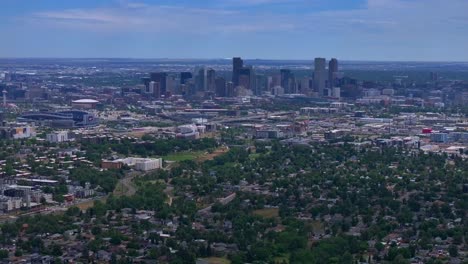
<point x="56" y="137"/>
<point x="148" y="164"/>
<point x="142" y="164"/>
<point x="10" y="203"/>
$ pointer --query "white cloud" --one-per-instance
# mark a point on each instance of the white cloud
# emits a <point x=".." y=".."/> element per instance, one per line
<point x="385" y="19"/>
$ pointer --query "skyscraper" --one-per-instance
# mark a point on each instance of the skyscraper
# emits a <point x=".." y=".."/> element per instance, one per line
<point x="286" y="80"/>
<point x="184" y="76"/>
<point x="221" y="87"/>
<point x="210" y="79"/>
<point x="229" y="89"/>
<point x="155" y="89"/>
<point x="320" y="75"/>
<point x="201" y="80"/>
<point x="246" y="78"/>
<point x="332" y="71"/>
<point x="161" y="78"/>
<point x="146" y="81"/>
<point x="237" y="64"/>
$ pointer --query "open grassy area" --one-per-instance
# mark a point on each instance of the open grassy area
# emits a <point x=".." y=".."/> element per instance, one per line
<point x="88" y="204"/>
<point x="181" y="156"/>
<point x="215" y="260"/>
<point x="198" y="156"/>
<point x="254" y="156"/>
<point x="283" y="259"/>
<point x="267" y="212"/>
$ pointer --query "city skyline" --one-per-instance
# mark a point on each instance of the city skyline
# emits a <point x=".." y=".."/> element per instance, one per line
<point x="368" y="30"/>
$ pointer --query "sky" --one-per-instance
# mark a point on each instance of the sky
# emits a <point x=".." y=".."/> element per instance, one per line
<point x="376" y="30"/>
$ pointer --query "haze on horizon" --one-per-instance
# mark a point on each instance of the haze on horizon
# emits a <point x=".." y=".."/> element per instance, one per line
<point x="370" y="30"/>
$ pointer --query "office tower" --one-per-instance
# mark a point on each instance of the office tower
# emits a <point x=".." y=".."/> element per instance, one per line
<point x="155" y="89"/>
<point x="434" y="76"/>
<point x="211" y="80"/>
<point x="332" y="72"/>
<point x="221" y="87"/>
<point x="201" y="80"/>
<point x="304" y="85"/>
<point x="246" y="78"/>
<point x="229" y="89"/>
<point x="237" y="64"/>
<point x="274" y="80"/>
<point x="320" y="75"/>
<point x="146" y="81"/>
<point x="161" y="78"/>
<point x="288" y="81"/>
<point x="170" y="85"/>
<point x="184" y="76"/>
<point x="260" y="84"/>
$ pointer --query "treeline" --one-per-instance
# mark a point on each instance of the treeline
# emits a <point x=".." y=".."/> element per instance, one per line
<point x="148" y="147"/>
<point x="107" y="180"/>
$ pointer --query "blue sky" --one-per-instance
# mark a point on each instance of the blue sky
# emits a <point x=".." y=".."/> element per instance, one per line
<point x="419" y="30"/>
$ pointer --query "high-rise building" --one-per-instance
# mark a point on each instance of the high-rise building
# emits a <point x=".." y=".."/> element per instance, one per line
<point x="260" y="84"/>
<point x="246" y="78"/>
<point x="274" y="81"/>
<point x="320" y="75"/>
<point x="221" y="87"/>
<point x="161" y="78"/>
<point x="146" y="81"/>
<point x="211" y="80"/>
<point x="229" y="89"/>
<point x="184" y="76"/>
<point x="201" y="80"/>
<point x="288" y="81"/>
<point x="155" y="89"/>
<point x="304" y="85"/>
<point x="237" y="64"/>
<point x="332" y="72"/>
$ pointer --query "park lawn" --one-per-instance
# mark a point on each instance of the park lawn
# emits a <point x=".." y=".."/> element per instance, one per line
<point x="282" y="259"/>
<point x="182" y="156"/>
<point x="254" y="156"/>
<point x="267" y="212"/>
<point x="215" y="260"/>
<point x="88" y="204"/>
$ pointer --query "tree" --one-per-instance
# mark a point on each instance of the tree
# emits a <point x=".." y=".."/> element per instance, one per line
<point x="3" y="254"/>
<point x="73" y="211"/>
<point x="453" y="251"/>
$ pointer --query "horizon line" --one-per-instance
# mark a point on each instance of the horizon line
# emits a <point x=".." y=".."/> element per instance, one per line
<point x="207" y="59"/>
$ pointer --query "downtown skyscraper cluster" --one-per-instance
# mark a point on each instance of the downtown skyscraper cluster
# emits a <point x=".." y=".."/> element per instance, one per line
<point x="244" y="81"/>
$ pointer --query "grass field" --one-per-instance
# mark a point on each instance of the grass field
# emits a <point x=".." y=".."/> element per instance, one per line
<point x="267" y="212"/>
<point x="198" y="156"/>
<point x="181" y="156"/>
<point x="214" y="260"/>
<point x="88" y="204"/>
<point x="283" y="259"/>
<point x="254" y="156"/>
